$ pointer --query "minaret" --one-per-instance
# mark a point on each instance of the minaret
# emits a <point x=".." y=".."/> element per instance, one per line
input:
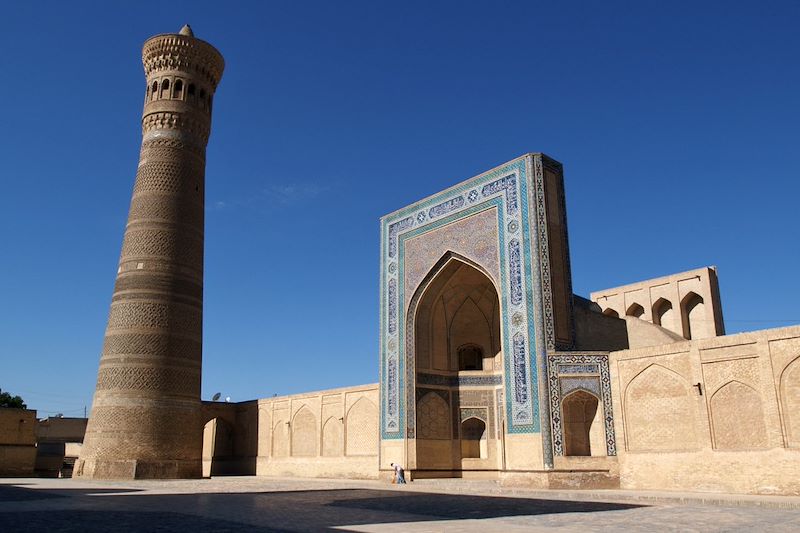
<point x="145" y="419"/>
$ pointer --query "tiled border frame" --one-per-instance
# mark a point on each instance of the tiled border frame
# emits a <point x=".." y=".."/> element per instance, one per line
<point x="397" y="421"/>
<point x="603" y="376"/>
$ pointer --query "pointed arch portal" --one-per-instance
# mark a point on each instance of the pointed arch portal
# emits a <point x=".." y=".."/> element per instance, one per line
<point x="456" y="325"/>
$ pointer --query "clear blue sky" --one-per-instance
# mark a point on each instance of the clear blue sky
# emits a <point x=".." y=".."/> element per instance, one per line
<point x="677" y="124"/>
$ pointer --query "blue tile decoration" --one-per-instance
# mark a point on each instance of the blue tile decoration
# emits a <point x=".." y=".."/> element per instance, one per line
<point x="515" y="271"/>
<point x="460" y="381"/>
<point x="507" y="184"/>
<point x="578" y="369"/>
<point x="500" y="407"/>
<point x="572" y="383"/>
<point x="568" y="371"/>
<point x="521" y="387"/>
<point x="392" y="306"/>
<point x="396" y="228"/>
<point x="391" y="385"/>
<point x="446" y="207"/>
<point x="506" y="189"/>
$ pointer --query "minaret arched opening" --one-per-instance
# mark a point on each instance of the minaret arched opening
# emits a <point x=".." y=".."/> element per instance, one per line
<point x="177" y="90"/>
<point x="165" y="89"/>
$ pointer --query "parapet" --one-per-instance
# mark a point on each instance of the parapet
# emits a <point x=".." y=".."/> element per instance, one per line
<point x="687" y="303"/>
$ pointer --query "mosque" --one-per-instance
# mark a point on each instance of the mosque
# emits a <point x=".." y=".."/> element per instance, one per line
<point x="490" y="366"/>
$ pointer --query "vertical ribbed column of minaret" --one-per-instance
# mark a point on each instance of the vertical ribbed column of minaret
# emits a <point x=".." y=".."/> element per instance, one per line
<point x="145" y="419"/>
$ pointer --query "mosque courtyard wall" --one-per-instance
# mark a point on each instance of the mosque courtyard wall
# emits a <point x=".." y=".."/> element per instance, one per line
<point x="330" y="433"/>
<point x="715" y="415"/>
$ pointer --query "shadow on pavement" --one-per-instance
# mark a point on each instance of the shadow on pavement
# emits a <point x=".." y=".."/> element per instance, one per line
<point x="458" y="507"/>
<point x="78" y="510"/>
<point x="19" y="493"/>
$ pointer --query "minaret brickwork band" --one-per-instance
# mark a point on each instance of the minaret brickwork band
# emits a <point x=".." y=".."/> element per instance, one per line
<point x="145" y="419"/>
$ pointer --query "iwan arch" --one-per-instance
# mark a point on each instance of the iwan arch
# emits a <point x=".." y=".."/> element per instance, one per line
<point x="489" y="365"/>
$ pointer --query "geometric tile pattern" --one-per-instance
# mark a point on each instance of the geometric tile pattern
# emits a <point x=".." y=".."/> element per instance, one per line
<point x="506" y="189"/>
<point x="570" y="371"/>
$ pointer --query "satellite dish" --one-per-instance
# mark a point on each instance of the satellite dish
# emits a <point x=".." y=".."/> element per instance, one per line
<point x="216" y="397"/>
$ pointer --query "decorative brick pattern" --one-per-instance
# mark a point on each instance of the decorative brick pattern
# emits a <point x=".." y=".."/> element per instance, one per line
<point x="169" y="177"/>
<point x="433" y="417"/>
<point x="153" y="315"/>
<point x="332" y="438"/>
<point x="659" y="412"/>
<point x="360" y="424"/>
<point x="174" y="381"/>
<point x="153" y="348"/>
<point x="162" y="208"/>
<point x="737" y="418"/>
<point x="304" y="434"/>
<point x="148" y="243"/>
<point x="155" y="344"/>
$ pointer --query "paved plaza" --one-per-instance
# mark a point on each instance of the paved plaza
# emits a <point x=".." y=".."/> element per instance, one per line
<point x="259" y="504"/>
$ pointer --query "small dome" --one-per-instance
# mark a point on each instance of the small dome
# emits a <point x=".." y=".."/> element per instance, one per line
<point x="186" y="30"/>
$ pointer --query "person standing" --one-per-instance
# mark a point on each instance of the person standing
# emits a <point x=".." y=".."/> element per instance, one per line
<point x="399" y="474"/>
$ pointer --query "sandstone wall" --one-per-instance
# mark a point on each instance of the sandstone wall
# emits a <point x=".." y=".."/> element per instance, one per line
<point x="230" y="438"/>
<point x="17" y="441"/>
<point x="331" y="433"/>
<point x="596" y="331"/>
<point x="687" y="304"/>
<point x="716" y="415"/>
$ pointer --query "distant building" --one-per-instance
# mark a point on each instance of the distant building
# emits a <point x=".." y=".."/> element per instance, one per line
<point x="17" y="442"/>
<point x="58" y="445"/>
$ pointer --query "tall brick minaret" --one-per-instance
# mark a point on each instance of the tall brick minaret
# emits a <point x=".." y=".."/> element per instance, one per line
<point x="145" y="419"/>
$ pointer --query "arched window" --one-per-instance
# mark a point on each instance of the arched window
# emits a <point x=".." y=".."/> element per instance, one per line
<point x="165" y="89"/>
<point x="693" y="315"/>
<point x="635" y="310"/>
<point x="191" y="91"/>
<point x="473" y="439"/>
<point x="611" y="312"/>
<point x="663" y="314"/>
<point x="203" y="98"/>
<point x="470" y="357"/>
<point x="154" y="91"/>
<point x="177" y="90"/>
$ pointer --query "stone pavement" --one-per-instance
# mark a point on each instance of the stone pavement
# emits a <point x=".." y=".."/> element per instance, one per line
<point x="237" y="504"/>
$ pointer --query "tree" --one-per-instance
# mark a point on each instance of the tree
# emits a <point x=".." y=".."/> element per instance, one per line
<point x="6" y="400"/>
